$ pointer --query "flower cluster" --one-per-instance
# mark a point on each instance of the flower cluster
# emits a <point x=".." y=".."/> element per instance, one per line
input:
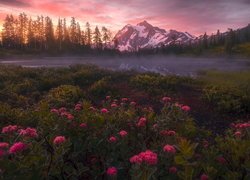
<point x="28" y="132"/>
<point x="142" y="122"/>
<point x="148" y="157"/>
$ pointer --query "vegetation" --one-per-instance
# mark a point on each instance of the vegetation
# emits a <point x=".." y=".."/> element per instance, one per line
<point x="83" y="122"/>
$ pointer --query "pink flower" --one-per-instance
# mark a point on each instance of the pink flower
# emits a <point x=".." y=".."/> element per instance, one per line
<point x="205" y="143"/>
<point x="142" y="122"/>
<point x="204" y="177"/>
<point x="59" y="140"/>
<point x="136" y="159"/>
<point x="124" y="99"/>
<point x="62" y="109"/>
<point x="169" y="148"/>
<point x="186" y="108"/>
<point x="123" y="133"/>
<point x="133" y="103"/>
<point x="83" y="125"/>
<point x="4" y="145"/>
<point x="70" y="117"/>
<point x="111" y="171"/>
<point x="171" y="133"/>
<point x="114" y="105"/>
<point x="237" y="134"/>
<point x="172" y="170"/>
<point x="112" y="139"/>
<point x="54" y="111"/>
<point x="104" y="110"/>
<point x="149" y="157"/>
<point x="108" y="97"/>
<point x="166" y="99"/>
<point x="167" y="133"/>
<point x="17" y="147"/>
<point x="29" y="132"/>
<point x="9" y="129"/>
<point x="221" y="160"/>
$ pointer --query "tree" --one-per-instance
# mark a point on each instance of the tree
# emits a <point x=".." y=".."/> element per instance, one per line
<point x="8" y="32"/>
<point x="97" y="38"/>
<point x="88" y="34"/>
<point x="205" y="41"/>
<point x="59" y="34"/>
<point x="22" y="27"/>
<point x="230" y="41"/>
<point x="106" y="36"/>
<point x="49" y="34"/>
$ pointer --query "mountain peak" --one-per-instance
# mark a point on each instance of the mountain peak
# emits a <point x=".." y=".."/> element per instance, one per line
<point x="144" y="36"/>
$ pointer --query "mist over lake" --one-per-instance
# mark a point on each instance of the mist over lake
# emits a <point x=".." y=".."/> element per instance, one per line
<point x="184" y="66"/>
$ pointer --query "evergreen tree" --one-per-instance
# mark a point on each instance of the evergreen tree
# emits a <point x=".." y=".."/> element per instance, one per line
<point x="106" y="36"/>
<point x="49" y="34"/>
<point x="97" y="38"/>
<point x="8" y="32"/>
<point x="59" y="34"/>
<point x="88" y="34"/>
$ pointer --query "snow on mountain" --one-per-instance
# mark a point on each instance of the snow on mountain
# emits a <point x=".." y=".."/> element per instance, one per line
<point x="145" y="36"/>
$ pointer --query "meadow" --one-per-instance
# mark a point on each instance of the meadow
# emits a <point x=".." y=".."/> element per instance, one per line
<point x="84" y="122"/>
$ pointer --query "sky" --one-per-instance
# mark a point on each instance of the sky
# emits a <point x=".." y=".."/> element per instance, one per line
<point x="193" y="16"/>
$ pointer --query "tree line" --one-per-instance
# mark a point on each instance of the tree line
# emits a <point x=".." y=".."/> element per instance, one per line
<point x="40" y="34"/>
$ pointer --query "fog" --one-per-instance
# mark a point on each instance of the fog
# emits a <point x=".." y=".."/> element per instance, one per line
<point x="183" y="66"/>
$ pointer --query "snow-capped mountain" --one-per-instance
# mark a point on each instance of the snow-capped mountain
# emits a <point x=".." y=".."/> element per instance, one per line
<point x="144" y="36"/>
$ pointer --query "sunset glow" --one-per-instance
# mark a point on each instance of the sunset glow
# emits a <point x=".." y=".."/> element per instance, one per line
<point x="194" y="16"/>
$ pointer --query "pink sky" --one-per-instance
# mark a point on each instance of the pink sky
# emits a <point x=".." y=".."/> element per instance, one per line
<point x="193" y="16"/>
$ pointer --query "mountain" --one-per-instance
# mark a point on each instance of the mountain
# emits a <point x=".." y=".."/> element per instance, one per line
<point x="145" y="36"/>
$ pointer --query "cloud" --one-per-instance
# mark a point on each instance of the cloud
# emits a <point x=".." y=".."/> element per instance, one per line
<point x="16" y="3"/>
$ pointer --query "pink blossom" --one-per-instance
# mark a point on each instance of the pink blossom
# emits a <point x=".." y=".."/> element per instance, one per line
<point x="186" y="108"/>
<point x="4" y="145"/>
<point x="172" y="170"/>
<point x="242" y="125"/>
<point x="70" y="117"/>
<point x="136" y="159"/>
<point x="133" y="103"/>
<point x="221" y="160"/>
<point x="104" y="110"/>
<point x="54" y="111"/>
<point x="204" y="177"/>
<point x="108" y="97"/>
<point x="111" y="171"/>
<point x="113" y="105"/>
<point x="124" y="99"/>
<point x="155" y="126"/>
<point x="123" y="133"/>
<point x="171" y="133"/>
<point x="29" y="132"/>
<point x="112" y="139"/>
<point x="205" y="143"/>
<point x="237" y="134"/>
<point x="149" y="157"/>
<point x="142" y="122"/>
<point x="17" y="147"/>
<point x="59" y="140"/>
<point x="9" y="129"/>
<point x="169" y="148"/>
<point x="168" y="133"/>
<point x="62" y="109"/>
<point x="166" y="99"/>
<point x="83" y="125"/>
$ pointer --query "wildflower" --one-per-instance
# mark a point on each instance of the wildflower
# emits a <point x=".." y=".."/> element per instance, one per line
<point x="169" y="148"/>
<point x="108" y="97"/>
<point x="186" y="108"/>
<point x="4" y="145"/>
<point x="70" y="117"/>
<point x="136" y="159"/>
<point x="104" y="110"/>
<point x="149" y="157"/>
<point x="142" y="122"/>
<point x="172" y="170"/>
<point x="123" y="133"/>
<point x="166" y="99"/>
<point x="9" y="129"/>
<point x="111" y="171"/>
<point x="59" y="140"/>
<point x="168" y="133"/>
<point x="205" y="144"/>
<point x="62" y="109"/>
<point x="78" y="107"/>
<point x="221" y="160"/>
<point x="17" y="147"/>
<point x="54" y="111"/>
<point x="124" y="99"/>
<point x="112" y="139"/>
<point x="30" y="132"/>
<point x="204" y="177"/>
<point x="133" y="103"/>
<point x="83" y="125"/>
<point x="171" y="133"/>
<point x="114" y="105"/>
<point x="1" y="153"/>
<point x="237" y="134"/>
